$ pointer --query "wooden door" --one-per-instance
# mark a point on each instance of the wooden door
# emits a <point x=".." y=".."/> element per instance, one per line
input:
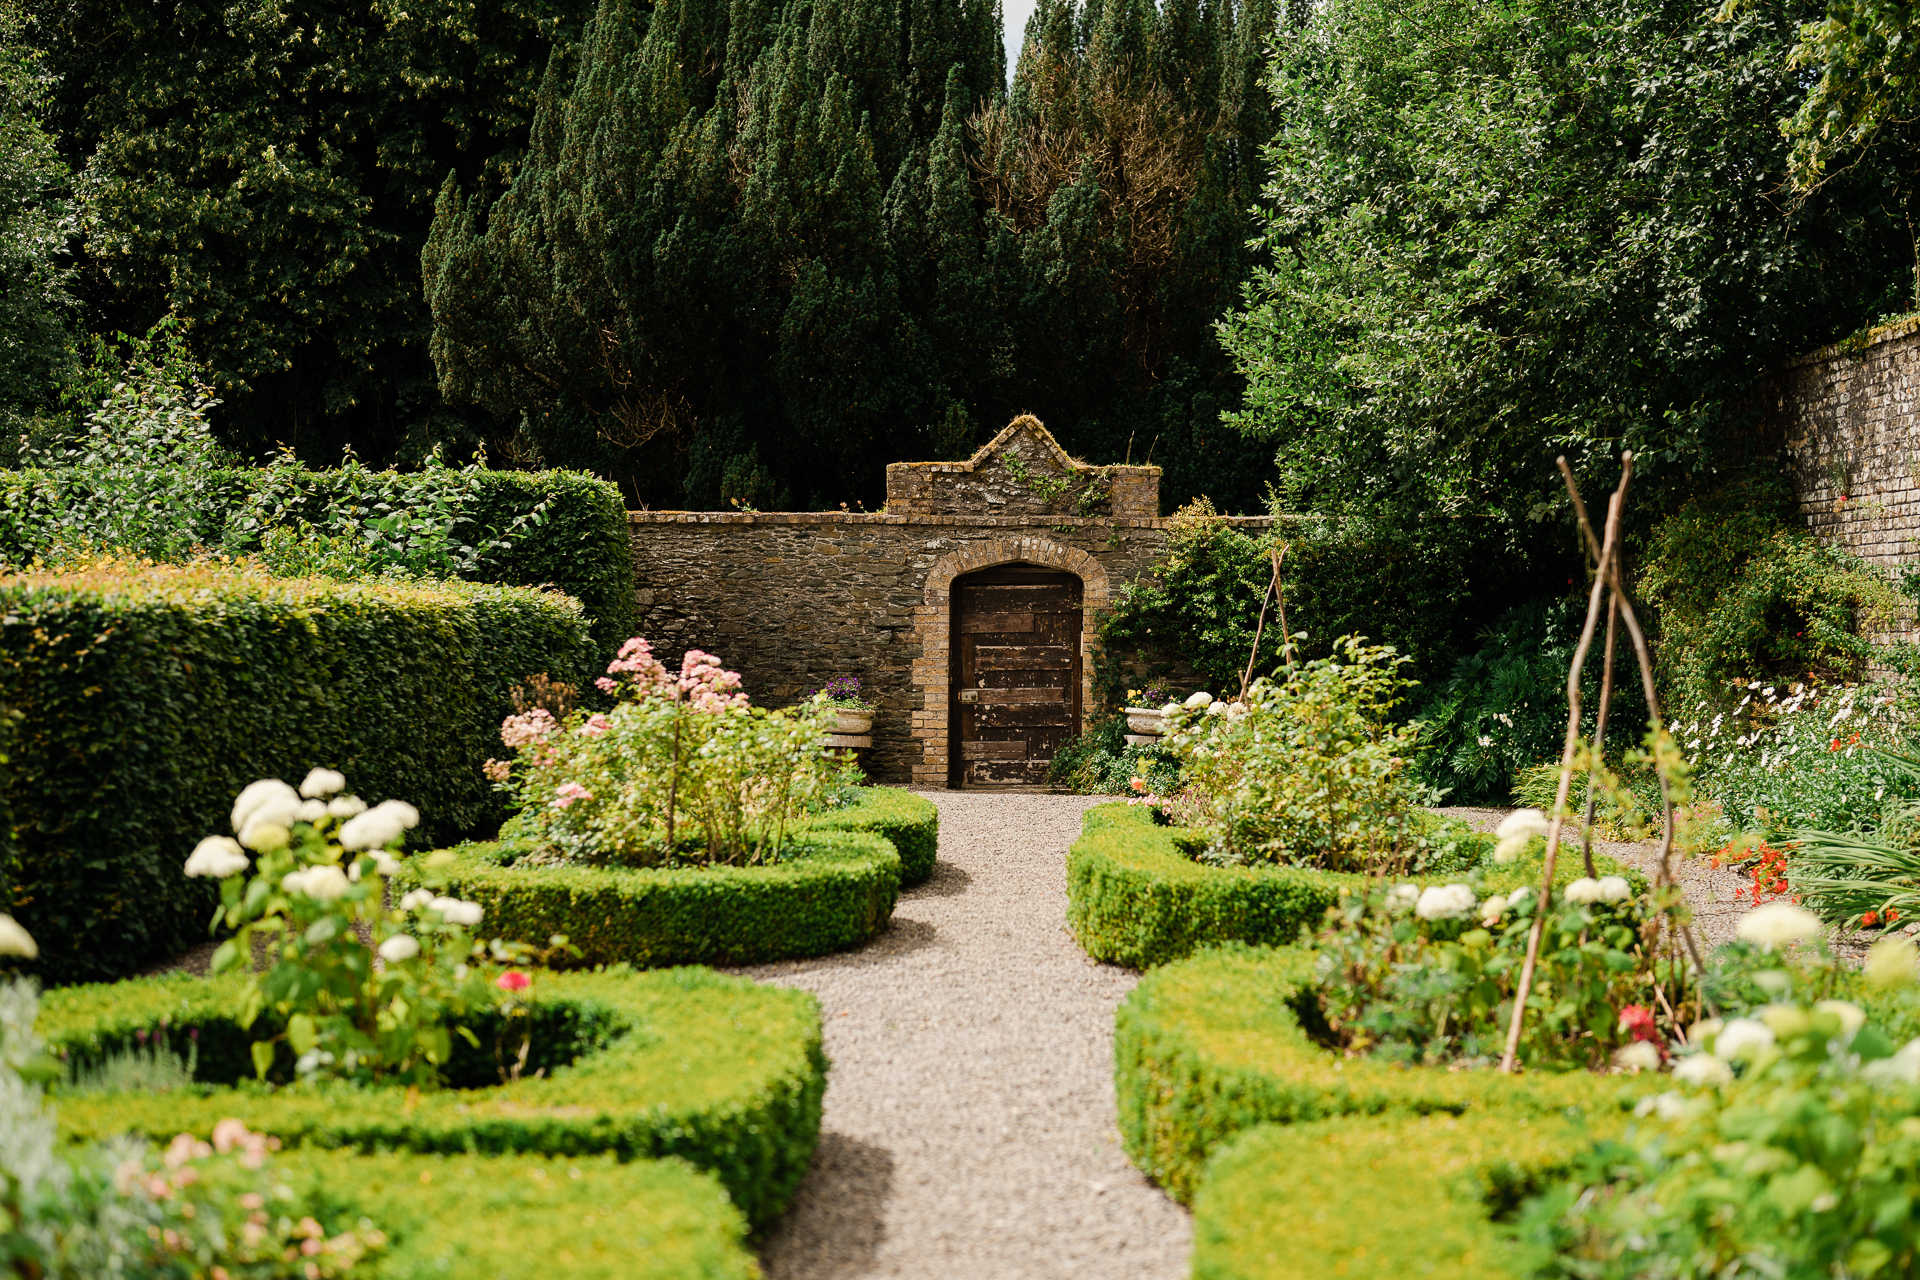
<point x="1015" y="691"/>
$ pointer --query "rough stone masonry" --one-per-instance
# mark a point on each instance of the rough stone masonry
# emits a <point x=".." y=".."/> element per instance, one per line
<point x="789" y="599"/>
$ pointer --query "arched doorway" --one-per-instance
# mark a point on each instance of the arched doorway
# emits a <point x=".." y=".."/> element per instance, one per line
<point x="1015" y="684"/>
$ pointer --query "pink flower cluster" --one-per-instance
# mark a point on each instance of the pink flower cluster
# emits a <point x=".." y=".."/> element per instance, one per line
<point x="519" y="731"/>
<point x="702" y="683"/>
<point x="596" y="725"/>
<point x="567" y="792"/>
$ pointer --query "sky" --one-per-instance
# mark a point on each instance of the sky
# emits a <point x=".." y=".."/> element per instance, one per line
<point x="1016" y="13"/>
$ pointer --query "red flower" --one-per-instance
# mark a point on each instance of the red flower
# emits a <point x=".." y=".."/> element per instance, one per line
<point x="1892" y="915"/>
<point x="513" y="980"/>
<point x="1139" y="784"/>
<point x="1871" y="918"/>
<point x="1638" y="1019"/>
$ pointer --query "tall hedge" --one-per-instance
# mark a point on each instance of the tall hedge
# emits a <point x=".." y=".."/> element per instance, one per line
<point x="574" y="536"/>
<point x="150" y="695"/>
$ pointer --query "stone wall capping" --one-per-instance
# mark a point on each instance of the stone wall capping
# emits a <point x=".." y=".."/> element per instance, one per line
<point x="858" y="518"/>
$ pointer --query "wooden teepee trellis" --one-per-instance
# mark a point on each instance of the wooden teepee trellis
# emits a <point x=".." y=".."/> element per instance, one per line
<point x="1607" y="592"/>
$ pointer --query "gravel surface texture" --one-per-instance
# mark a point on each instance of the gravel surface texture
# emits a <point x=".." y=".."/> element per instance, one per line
<point x="969" y="1127"/>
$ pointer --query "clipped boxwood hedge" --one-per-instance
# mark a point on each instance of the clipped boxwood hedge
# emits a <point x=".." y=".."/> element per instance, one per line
<point x="716" y="1070"/>
<point x="1390" y="1197"/>
<point x="910" y="823"/>
<point x="480" y="1218"/>
<point x="1134" y="897"/>
<point x="1295" y="1158"/>
<point x="576" y="540"/>
<point x="149" y="696"/>
<point x="839" y="895"/>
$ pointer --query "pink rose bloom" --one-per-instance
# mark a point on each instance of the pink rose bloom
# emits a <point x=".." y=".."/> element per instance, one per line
<point x="513" y="980"/>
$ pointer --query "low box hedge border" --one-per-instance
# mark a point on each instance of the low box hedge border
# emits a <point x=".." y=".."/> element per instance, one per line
<point x="1212" y="1045"/>
<point x="835" y="897"/>
<point x="1389" y="1197"/>
<point x="1135" y="898"/>
<point x="716" y="1070"/>
<point x="484" y="1217"/>
<point x="910" y="823"/>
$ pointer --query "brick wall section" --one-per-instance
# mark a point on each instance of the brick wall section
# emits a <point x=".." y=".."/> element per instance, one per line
<point x="788" y="599"/>
<point x="1848" y="417"/>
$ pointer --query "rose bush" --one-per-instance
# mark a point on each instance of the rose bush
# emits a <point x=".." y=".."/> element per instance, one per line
<point x="1308" y="771"/>
<point x="1427" y="975"/>
<point x="681" y="767"/>
<point x="357" y="988"/>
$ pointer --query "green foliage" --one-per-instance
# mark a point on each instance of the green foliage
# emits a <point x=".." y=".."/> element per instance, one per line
<point x="793" y="238"/>
<point x="681" y="767"/>
<point x="716" y="1070"/>
<point x="316" y="901"/>
<point x="1860" y="57"/>
<point x="536" y="529"/>
<point x="1503" y="232"/>
<point x="1504" y="708"/>
<point x="150" y="695"/>
<point x="1100" y="762"/>
<point x="1302" y="1201"/>
<point x="832" y="892"/>
<point x="1308" y="771"/>
<point x="1213" y="1045"/>
<point x="1804" y="1164"/>
<point x="82" y="1211"/>
<point x="1204" y="599"/>
<point x="1742" y="590"/>
<point x="1429" y="986"/>
<point x="36" y="221"/>
<point x="269" y="174"/>
<point x="1135" y="897"/>
<point x="910" y="823"/>
<point x="477" y="1217"/>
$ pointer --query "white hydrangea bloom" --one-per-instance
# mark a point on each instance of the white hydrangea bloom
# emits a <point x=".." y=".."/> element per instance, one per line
<point x="1852" y="1016"/>
<point x="1703" y="1069"/>
<point x="324" y="882"/>
<point x="1198" y="700"/>
<point x="15" y="940"/>
<point x="1585" y="889"/>
<point x="1742" y="1036"/>
<point x="311" y="811"/>
<point x="1492" y="909"/>
<point x="454" y="911"/>
<point x="1402" y="897"/>
<point x="1778" y="924"/>
<point x="1637" y="1057"/>
<point x="321" y="783"/>
<point x="1444" y="902"/>
<point x="256" y="794"/>
<point x="399" y="947"/>
<point x="1902" y="1068"/>
<point x="1523" y="822"/>
<point x="346" y="806"/>
<point x="1615" y="889"/>
<point x="217" y="857"/>
<point x="414" y="899"/>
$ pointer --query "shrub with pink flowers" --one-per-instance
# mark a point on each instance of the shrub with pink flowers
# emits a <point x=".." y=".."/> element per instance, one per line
<point x="682" y="768"/>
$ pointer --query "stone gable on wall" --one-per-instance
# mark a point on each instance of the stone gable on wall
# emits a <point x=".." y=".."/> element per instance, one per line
<point x="1023" y="471"/>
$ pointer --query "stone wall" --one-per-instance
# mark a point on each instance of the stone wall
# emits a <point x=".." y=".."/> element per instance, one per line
<point x="1847" y="415"/>
<point x="789" y="599"/>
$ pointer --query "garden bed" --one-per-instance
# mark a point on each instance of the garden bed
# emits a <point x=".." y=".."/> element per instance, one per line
<point x="583" y="1217"/>
<point x="1212" y="1048"/>
<point x="838" y="895"/>
<point x="716" y="1070"/>
<point x="1135" y="897"/>
<point x="910" y="823"/>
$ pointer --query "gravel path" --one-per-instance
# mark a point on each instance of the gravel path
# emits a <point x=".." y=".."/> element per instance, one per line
<point x="969" y="1127"/>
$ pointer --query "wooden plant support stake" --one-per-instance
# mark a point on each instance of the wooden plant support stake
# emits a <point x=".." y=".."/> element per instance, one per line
<point x="1600" y="583"/>
<point x="1273" y="588"/>
<point x="1599" y="735"/>
<point x="1645" y="659"/>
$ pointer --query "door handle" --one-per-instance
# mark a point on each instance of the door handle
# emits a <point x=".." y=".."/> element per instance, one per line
<point x="969" y="695"/>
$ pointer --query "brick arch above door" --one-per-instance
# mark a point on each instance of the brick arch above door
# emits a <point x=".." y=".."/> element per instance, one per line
<point x="933" y="624"/>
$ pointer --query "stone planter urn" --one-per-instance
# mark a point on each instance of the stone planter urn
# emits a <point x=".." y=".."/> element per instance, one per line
<point x="853" y="721"/>
<point x="1147" y="721"/>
